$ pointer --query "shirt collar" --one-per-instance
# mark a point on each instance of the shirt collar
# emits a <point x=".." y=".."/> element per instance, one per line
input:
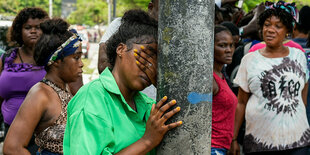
<point x="109" y="83"/>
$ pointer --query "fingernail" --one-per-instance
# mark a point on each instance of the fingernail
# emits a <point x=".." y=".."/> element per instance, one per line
<point x="135" y="50"/>
<point x="165" y="97"/>
<point x="180" y="122"/>
<point x="178" y="108"/>
<point x="142" y="47"/>
<point x="174" y="101"/>
<point x="137" y="62"/>
<point x="135" y="54"/>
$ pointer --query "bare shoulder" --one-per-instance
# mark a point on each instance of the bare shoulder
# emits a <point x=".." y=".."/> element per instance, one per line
<point x="40" y="93"/>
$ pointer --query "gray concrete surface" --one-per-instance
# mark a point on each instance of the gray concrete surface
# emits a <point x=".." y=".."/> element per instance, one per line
<point x="185" y="73"/>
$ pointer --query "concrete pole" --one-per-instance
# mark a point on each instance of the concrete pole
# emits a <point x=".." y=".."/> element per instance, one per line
<point x="51" y="8"/>
<point x="185" y="73"/>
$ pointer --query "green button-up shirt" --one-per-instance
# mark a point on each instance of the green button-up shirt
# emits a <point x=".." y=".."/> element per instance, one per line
<point x="101" y="122"/>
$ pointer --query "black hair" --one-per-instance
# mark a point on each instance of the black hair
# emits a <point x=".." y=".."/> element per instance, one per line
<point x="136" y="27"/>
<point x="285" y="17"/>
<point x="218" y="15"/>
<point x="55" y="33"/>
<point x="303" y="24"/>
<point x="15" y="32"/>
<point x="220" y="28"/>
<point x="231" y="27"/>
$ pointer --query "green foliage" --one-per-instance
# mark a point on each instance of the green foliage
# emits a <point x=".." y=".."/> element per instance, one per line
<point x="88" y="12"/>
<point x="248" y="5"/>
<point x="12" y="7"/>
<point x="91" y="12"/>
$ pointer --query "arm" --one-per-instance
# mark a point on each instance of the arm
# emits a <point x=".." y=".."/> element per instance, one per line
<point x="243" y="98"/>
<point x="103" y="61"/>
<point x="253" y="26"/>
<point x="25" y="122"/>
<point x="305" y="94"/>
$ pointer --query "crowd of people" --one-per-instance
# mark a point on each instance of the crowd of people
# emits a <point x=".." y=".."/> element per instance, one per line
<point x="260" y="84"/>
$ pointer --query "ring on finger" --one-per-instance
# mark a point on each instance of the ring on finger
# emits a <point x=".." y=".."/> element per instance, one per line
<point x="150" y="65"/>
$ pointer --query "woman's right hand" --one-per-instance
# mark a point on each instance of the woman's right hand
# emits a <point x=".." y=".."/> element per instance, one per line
<point x="146" y="59"/>
<point x="234" y="148"/>
<point x="155" y="125"/>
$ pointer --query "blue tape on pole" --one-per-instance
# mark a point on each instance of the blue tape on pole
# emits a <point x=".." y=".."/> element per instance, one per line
<point x="194" y="97"/>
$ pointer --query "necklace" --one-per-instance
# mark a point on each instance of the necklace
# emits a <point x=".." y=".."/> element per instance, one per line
<point x="44" y="80"/>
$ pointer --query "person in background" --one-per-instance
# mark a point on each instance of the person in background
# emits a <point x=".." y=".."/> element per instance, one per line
<point x="18" y="69"/>
<point x="272" y="90"/>
<point x="302" y="27"/>
<point x="300" y="36"/>
<point x="44" y="110"/>
<point x="109" y="115"/>
<point x="224" y="100"/>
<point x="234" y="32"/>
<point x="236" y="38"/>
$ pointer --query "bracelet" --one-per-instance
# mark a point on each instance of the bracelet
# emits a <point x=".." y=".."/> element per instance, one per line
<point x="233" y="139"/>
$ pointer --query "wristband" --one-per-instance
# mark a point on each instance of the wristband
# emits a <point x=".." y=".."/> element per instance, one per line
<point x="233" y="139"/>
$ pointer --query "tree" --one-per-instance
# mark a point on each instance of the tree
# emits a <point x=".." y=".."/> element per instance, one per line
<point x="96" y="11"/>
<point x="12" y="7"/>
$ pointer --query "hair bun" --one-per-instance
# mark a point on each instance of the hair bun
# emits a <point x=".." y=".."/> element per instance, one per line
<point x="138" y="16"/>
<point x="54" y="26"/>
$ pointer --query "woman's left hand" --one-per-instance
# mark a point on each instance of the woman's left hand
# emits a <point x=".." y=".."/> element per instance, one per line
<point x="147" y="61"/>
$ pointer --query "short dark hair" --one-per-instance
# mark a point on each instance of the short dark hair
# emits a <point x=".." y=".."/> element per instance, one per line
<point x="137" y="27"/>
<point x="55" y="32"/>
<point x="285" y="17"/>
<point x="220" y="28"/>
<point x="15" y="32"/>
<point x="231" y="27"/>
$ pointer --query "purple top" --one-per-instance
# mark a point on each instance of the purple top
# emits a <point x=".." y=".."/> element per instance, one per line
<point x="15" y="82"/>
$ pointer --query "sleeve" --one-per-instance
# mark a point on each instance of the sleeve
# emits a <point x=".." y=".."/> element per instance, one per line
<point x="87" y="133"/>
<point x="113" y="27"/>
<point x="242" y="76"/>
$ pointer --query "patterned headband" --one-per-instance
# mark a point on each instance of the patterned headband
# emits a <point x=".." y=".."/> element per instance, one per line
<point x="288" y="7"/>
<point x="67" y="48"/>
